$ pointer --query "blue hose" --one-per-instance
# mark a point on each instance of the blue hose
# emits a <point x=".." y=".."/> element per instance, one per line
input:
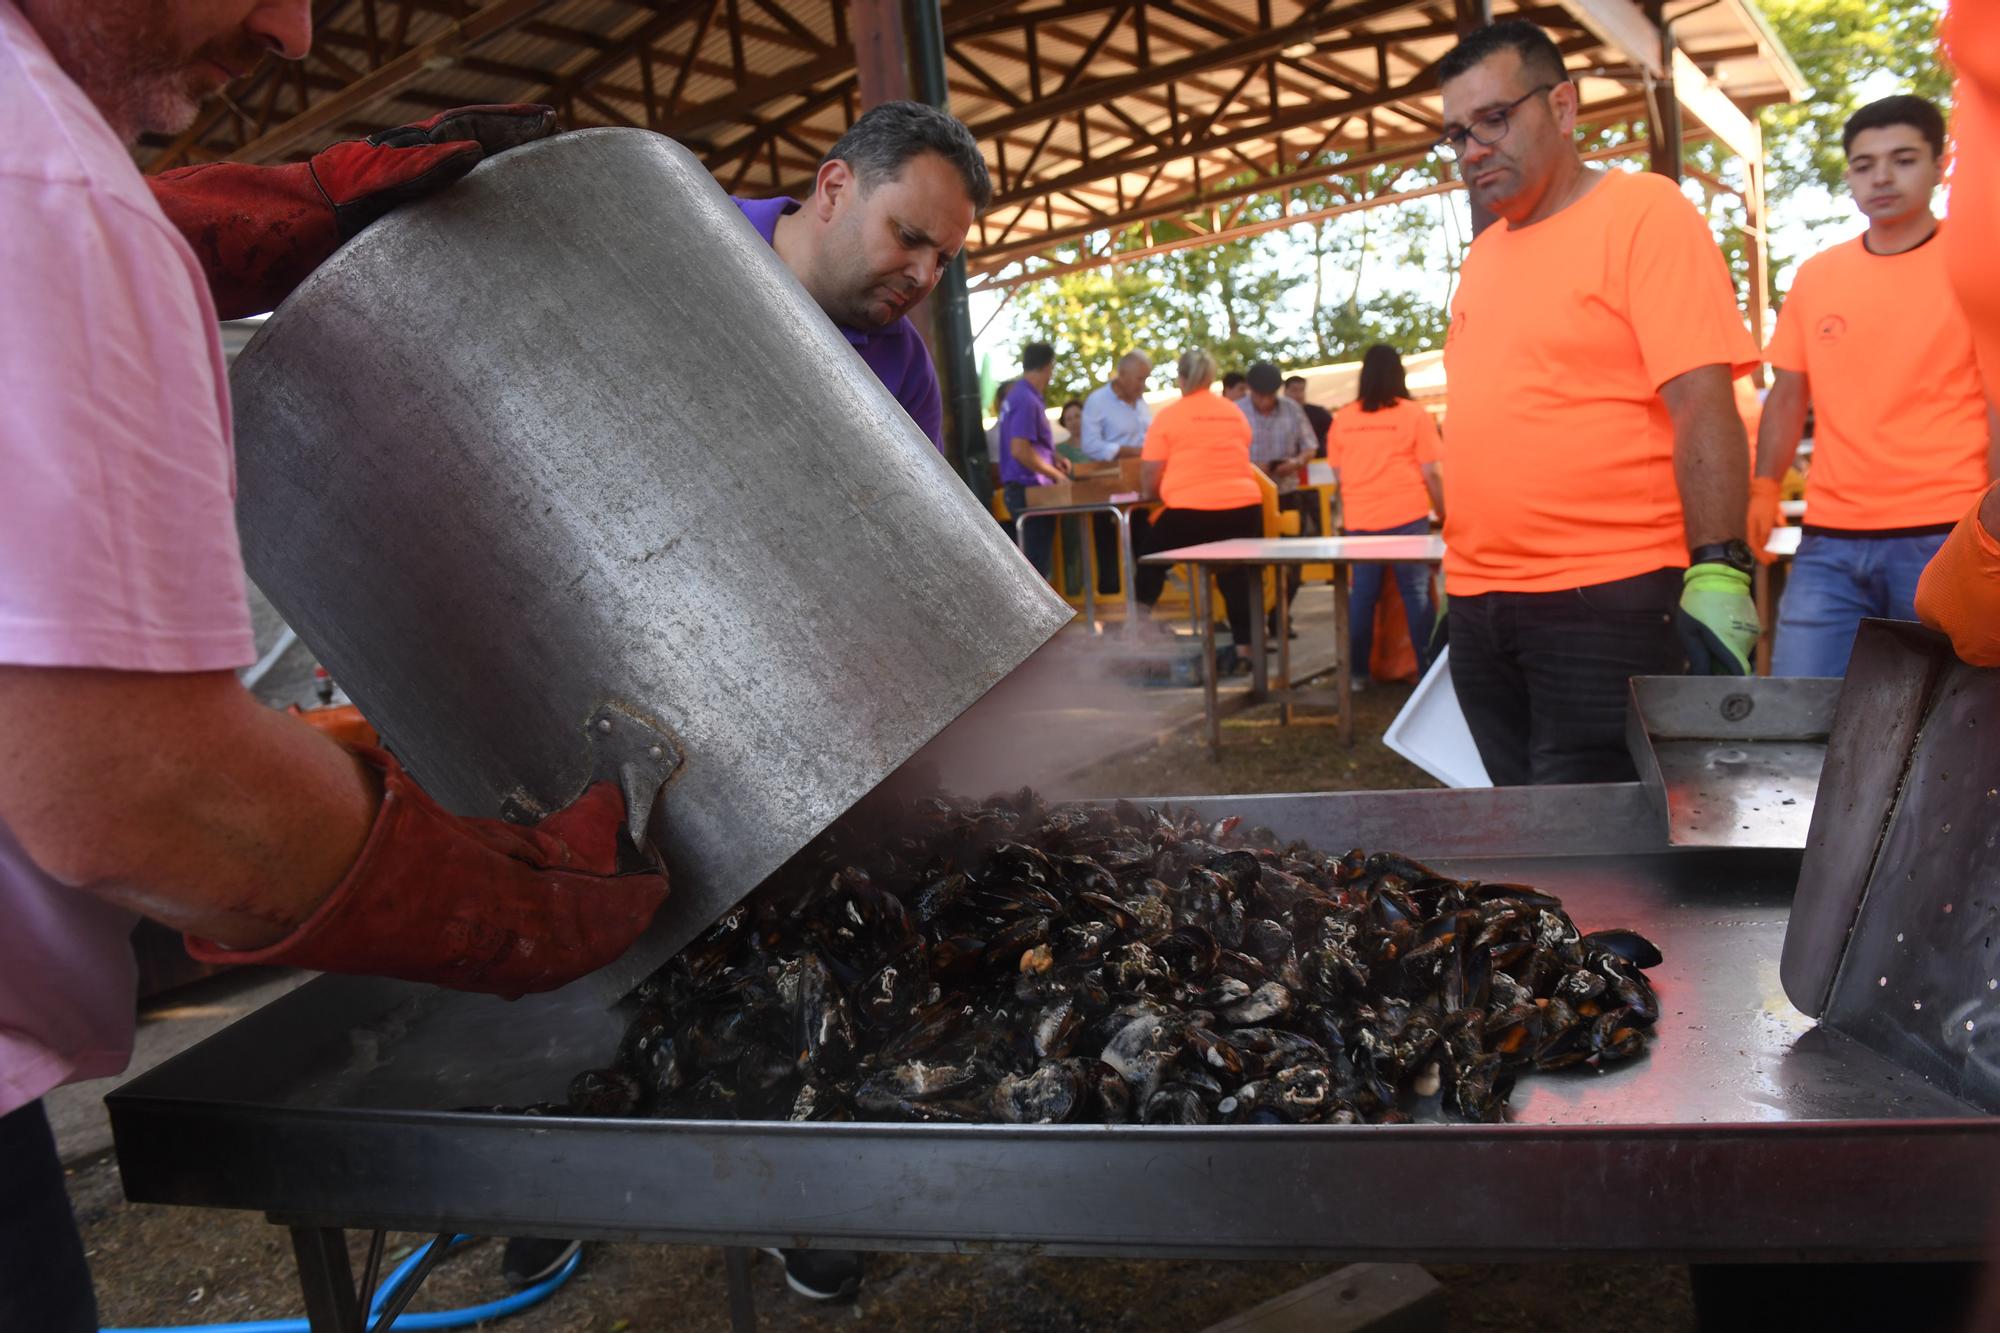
<point x="406" y="1322"/>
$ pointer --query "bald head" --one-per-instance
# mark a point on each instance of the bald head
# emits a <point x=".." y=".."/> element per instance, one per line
<point x="1130" y="380"/>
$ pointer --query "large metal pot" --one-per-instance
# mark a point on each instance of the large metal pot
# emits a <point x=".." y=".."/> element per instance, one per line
<point x="562" y="474"/>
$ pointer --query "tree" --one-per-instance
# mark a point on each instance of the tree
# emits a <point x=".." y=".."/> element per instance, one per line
<point x="1401" y="234"/>
<point x="1225" y="297"/>
<point x="1847" y="49"/>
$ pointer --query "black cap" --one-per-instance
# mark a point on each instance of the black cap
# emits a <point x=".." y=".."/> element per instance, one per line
<point x="1264" y="378"/>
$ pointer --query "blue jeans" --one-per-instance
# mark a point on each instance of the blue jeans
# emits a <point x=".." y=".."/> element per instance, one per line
<point x="1837" y="581"/>
<point x="1412" y="581"/>
<point x="1038" y="539"/>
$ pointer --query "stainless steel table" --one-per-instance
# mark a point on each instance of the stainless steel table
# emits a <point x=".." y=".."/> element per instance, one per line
<point x="1259" y="553"/>
<point x="1746" y="1132"/>
<point x="1121" y="514"/>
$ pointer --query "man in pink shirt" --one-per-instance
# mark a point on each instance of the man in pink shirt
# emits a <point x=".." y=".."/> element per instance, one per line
<point x="136" y="775"/>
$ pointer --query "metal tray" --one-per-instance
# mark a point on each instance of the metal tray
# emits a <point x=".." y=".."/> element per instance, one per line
<point x="1744" y="1133"/>
<point x="1729" y="761"/>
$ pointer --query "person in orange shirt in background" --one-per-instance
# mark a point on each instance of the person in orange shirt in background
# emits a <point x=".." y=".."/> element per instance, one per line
<point x="1196" y="461"/>
<point x="1960" y="590"/>
<point x="1383" y="449"/>
<point x="1872" y="338"/>
<point x="1598" y="479"/>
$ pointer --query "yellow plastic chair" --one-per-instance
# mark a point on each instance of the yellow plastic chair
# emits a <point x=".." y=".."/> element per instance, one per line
<point x="1277" y="523"/>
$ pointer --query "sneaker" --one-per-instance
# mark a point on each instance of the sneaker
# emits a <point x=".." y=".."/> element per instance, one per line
<point x="821" y="1275"/>
<point x="532" y="1259"/>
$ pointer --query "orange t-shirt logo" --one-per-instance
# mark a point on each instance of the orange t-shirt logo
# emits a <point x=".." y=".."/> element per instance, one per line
<point x="1832" y="329"/>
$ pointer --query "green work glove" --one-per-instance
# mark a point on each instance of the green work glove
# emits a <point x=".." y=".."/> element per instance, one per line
<point x="1717" y="620"/>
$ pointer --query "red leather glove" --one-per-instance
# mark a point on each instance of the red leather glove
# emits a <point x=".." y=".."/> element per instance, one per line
<point x="473" y="904"/>
<point x="258" y="231"/>
<point x="1764" y="515"/>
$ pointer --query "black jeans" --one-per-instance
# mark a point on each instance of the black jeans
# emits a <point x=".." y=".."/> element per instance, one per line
<point x="1110" y="573"/>
<point x="44" y="1281"/>
<point x="1542" y="675"/>
<point x="1038" y="539"/>
<point x="1172" y="528"/>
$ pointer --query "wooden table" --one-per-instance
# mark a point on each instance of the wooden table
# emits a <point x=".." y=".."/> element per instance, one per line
<point x="1121" y="514"/>
<point x="1258" y="553"/>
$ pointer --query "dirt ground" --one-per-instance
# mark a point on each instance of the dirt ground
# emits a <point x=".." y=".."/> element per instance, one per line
<point x="1260" y="755"/>
<point x="166" y="1267"/>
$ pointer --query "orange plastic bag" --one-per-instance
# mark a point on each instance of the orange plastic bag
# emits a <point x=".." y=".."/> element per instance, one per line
<point x="1393" y="656"/>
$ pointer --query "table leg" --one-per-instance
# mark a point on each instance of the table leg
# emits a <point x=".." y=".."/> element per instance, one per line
<point x="1128" y="568"/>
<point x="326" y="1279"/>
<point x="1344" y="674"/>
<point x="742" y="1307"/>
<point x="1284" y="652"/>
<point x="1260" y="674"/>
<point x="1089" y="571"/>
<point x="1204" y="618"/>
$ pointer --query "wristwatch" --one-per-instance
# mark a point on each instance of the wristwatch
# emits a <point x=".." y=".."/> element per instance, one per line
<point x="1735" y="553"/>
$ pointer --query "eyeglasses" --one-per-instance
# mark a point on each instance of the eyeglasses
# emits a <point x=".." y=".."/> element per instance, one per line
<point x="1488" y="127"/>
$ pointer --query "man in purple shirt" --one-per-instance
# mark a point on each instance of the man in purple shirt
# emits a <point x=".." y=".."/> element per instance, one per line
<point x="890" y="208"/>
<point x="1028" y="448"/>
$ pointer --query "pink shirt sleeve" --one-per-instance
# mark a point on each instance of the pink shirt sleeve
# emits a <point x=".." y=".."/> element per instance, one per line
<point x="118" y="539"/>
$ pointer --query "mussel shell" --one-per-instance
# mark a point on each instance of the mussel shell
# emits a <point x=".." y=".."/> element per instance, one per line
<point x="1627" y="944"/>
<point x="604" y="1092"/>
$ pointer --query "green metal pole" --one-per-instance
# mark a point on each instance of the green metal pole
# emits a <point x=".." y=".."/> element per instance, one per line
<point x="958" y="370"/>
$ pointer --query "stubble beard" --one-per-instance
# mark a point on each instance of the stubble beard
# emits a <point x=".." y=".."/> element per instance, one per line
<point x="127" y="64"/>
<point x="858" y="301"/>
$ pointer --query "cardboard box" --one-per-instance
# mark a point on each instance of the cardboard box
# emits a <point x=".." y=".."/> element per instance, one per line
<point x="1124" y="470"/>
<point x="1079" y="492"/>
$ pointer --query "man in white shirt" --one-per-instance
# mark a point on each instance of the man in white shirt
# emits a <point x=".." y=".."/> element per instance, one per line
<point x="1115" y="418"/>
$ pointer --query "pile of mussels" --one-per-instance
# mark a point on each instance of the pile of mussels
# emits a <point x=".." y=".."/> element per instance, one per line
<point x="1020" y="962"/>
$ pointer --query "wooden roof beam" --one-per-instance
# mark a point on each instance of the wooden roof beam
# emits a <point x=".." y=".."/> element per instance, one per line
<point x="488" y="21"/>
<point x="985" y="260"/>
<point x="1246" y="48"/>
<point x="1290" y="119"/>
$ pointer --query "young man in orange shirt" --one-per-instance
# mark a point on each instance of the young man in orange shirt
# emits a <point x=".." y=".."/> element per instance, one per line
<point x="1871" y="336"/>
<point x="1594" y="501"/>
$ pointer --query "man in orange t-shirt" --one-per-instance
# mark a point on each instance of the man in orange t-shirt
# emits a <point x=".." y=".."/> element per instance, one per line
<point x="1960" y="590"/>
<point x="1871" y="336"/>
<point x="1595" y="498"/>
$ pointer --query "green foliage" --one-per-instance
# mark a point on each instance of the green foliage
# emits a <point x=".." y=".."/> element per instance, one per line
<point x="1394" y="237"/>
<point x="1230" y="297"/>
<point x="1224" y="297"/>
<point x="1850" y="52"/>
<point x="1403" y="320"/>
